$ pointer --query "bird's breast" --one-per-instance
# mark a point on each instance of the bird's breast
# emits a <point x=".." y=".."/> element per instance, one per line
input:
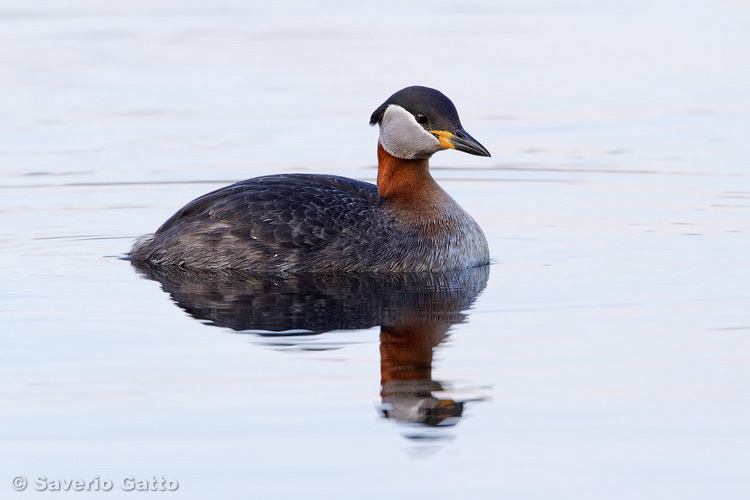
<point x="441" y="235"/>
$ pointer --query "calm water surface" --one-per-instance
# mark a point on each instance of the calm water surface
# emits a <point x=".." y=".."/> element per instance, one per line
<point x="603" y="354"/>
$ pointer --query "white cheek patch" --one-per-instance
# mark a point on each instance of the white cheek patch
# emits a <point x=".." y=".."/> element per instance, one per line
<point x="403" y="137"/>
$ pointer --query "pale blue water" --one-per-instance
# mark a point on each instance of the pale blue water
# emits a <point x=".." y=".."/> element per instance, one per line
<point x="607" y="356"/>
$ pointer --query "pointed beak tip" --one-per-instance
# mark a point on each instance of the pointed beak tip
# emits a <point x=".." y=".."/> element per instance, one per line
<point x="460" y="141"/>
<point x="476" y="150"/>
<point x="468" y="144"/>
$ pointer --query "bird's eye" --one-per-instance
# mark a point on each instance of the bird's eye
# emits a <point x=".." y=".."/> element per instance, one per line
<point x="421" y="119"/>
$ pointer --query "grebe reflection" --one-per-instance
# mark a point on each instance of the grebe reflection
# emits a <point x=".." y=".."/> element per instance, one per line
<point x="414" y="311"/>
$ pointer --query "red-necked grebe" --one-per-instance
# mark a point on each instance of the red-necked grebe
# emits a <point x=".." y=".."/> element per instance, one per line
<point x="300" y="223"/>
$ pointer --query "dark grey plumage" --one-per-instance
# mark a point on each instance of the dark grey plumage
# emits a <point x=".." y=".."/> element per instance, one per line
<point x="302" y="223"/>
<point x="284" y="223"/>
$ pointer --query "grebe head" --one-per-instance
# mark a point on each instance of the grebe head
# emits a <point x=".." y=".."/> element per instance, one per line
<point x="417" y="122"/>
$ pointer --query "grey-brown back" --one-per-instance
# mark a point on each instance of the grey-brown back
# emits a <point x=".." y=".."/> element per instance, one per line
<point x="304" y="223"/>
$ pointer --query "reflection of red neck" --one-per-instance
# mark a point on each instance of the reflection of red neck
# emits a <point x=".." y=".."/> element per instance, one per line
<point x="406" y="349"/>
<point x="407" y="181"/>
<point x="405" y="353"/>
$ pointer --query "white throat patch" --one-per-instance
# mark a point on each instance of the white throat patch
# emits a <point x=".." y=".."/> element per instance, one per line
<point x="402" y="137"/>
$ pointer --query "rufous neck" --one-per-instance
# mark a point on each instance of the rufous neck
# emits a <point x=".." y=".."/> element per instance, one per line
<point x="401" y="179"/>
